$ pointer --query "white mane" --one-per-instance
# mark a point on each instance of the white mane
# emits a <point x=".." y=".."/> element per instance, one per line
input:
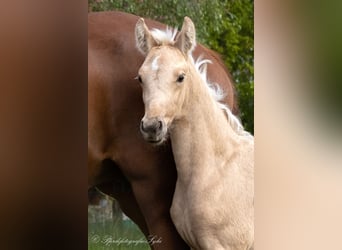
<point x="168" y="37"/>
<point x="218" y="94"/>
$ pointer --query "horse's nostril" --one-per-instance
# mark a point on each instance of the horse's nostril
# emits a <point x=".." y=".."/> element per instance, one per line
<point x="153" y="126"/>
<point x="143" y="127"/>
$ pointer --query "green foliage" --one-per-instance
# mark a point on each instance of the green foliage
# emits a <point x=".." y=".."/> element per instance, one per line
<point x="225" y="26"/>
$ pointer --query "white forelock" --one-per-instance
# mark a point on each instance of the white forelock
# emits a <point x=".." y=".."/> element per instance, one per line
<point x="164" y="36"/>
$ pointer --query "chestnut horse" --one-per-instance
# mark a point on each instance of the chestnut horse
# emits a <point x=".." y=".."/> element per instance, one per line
<point x="121" y="163"/>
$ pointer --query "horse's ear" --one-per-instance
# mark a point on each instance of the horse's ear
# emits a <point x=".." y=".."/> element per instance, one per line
<point x="143" y="37"/>
<point x="186" y="39"/>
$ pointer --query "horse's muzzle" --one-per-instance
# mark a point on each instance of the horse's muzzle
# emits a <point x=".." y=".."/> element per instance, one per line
<point x="153" y="130"/>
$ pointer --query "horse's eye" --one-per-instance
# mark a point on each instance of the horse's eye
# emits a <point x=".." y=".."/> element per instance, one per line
<point x="181" y="78"/>
<point x="139" y="79"/>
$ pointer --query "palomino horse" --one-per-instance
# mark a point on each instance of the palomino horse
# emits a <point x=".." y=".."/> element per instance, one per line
<point x="140" y="177"/>
<point x="212" y="206"/>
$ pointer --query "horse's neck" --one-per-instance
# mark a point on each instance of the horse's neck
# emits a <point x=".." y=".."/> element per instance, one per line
<point x="202" y="138"/>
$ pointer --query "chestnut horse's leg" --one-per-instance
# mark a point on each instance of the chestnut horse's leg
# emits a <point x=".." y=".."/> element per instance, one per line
<point x="157" y="217"/>
<point x="122" y="192"/>
<point x="152" y="177"/>
<point x="108" y="178"/>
